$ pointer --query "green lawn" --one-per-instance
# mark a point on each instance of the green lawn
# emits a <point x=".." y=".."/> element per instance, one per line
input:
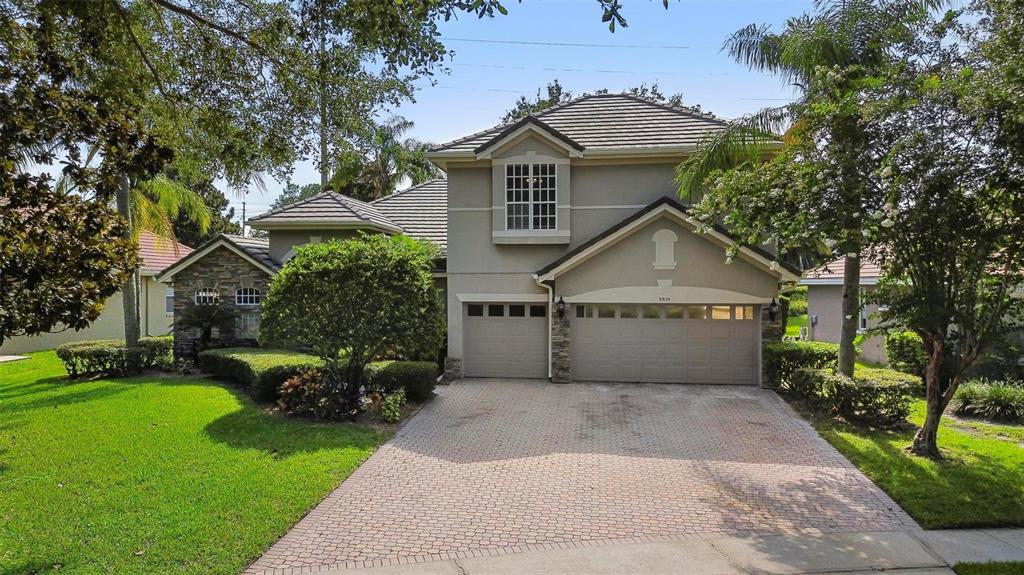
<point x="153" y="474"/>
<point x="794" y="323"/>
<point x="980" y="485"/>
<point x="1015" y="568"/>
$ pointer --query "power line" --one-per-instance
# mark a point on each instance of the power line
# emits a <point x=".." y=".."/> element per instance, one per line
<point x="565" y="44"/>
<point x="586" y="70"/>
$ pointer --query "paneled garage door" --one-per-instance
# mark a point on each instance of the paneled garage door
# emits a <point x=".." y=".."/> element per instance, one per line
<point x="665" y="343"/>
<point x="505" y="340"/>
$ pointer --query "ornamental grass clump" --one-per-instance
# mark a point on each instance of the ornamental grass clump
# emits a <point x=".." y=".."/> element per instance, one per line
<point x="1001" y="401"/>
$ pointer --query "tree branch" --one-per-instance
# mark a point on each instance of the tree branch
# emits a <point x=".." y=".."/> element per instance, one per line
<point x="202" y="21"/>
<point x="138" y="46"/>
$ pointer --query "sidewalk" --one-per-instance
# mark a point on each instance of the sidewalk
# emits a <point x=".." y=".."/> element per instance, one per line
<point x="893" y="552"/>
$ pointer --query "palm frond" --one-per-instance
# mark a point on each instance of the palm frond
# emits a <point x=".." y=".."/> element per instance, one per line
<point x="174" y="199"/>
<point x="149" y="215"/>
<point x="748" y="139"/>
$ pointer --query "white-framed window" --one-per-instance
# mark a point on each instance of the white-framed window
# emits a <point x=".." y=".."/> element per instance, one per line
<point x="206" y="296"/>
<point x="248" y="296"/>
<point x="169" y="301"/>
<point x="530" y="197"/>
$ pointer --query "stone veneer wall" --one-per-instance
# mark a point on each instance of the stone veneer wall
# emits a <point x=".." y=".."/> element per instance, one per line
<point x="561" y="345"/>
<point x="771" y="330"/>
<point x="223" y="270"/>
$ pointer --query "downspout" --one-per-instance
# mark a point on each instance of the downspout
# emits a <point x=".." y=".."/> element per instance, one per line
<point x="551" y="302"/>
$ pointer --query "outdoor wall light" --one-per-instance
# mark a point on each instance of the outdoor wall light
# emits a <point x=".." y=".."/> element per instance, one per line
<point x="560" y="307"/>
<point x="773" y="310"/>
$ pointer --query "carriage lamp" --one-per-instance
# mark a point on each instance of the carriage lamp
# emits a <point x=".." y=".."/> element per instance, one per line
<point x="773" y="310"/>
<point x="560" y="307"/>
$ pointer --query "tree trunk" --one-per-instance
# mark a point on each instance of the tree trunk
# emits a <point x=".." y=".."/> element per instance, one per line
<point x="322" y="85"/>
<point x="926" y="441"/>
<point x="851" y="314"/>
<point x="130" y="293"/>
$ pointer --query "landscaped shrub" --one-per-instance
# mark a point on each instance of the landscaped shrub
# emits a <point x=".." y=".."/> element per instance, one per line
<point x="993" y="400"/>
<point x="906" y="352"/>
<point x="780" y="359"/>
<point x="417" y="378"/>
<point x="391" y="407"/>
<point x="312" y="394"/>
<point x="262" y="370"/>
<point x="883" y="375"/>
<point x="110" y="357"/>
<point x="809" y="385"/>
<point x="869" y="402"/>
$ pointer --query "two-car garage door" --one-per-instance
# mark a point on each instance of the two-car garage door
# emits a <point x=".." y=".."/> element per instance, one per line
<point x="665" y="343"/>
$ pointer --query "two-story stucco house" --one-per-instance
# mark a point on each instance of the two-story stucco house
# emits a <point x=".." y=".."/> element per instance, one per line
<point x="570" y="255"/>
<point x="566" y="252"/>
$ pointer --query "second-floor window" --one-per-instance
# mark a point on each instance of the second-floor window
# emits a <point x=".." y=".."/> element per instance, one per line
<point x="530" y="202"/>
<point x="206" y="296"/>
<point x="248" y="296"/>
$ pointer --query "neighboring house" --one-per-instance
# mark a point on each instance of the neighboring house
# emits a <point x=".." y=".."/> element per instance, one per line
<point x="825" y="306"/>
<point x="570" y="256"/>
<point x="155" y="299"/>
<point x="237" y="270"/>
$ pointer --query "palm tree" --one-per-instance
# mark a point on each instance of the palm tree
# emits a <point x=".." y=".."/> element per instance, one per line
<point x="390" y="158"/>
<point x="841" y="34"/>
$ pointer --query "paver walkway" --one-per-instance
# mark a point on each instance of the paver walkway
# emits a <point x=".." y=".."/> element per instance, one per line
<point x="501" y="466"/>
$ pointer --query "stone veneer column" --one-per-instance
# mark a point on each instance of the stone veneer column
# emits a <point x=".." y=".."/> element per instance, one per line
<point x="770" y="330"/>
<point x="452" y="369"/>
<point x="561" y="345"/>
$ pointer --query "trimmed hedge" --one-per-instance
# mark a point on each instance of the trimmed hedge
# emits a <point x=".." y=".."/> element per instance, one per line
<point x="993" y="400"/>
<point x="262" y="370"/>
<point x="781" y="359"/>
<point x="906" y="352"/>
<point x="417" y="378"/>
<point x="862" y="400"/>
<point x="110" y="357"/>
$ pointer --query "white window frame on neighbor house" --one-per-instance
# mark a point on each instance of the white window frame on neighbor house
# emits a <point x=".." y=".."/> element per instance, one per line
<point x="531" y="179"/>
<point x="248" y="296"/>
<point x="169" y="301"/>
<point x="205" y="294"/>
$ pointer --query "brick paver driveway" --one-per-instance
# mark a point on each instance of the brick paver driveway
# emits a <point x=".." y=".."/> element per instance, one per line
<point x="498" y="466"/>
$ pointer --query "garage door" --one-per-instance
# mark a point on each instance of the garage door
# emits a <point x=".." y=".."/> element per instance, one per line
<point x="505" y="340"/>
<point x="665" y="343"/>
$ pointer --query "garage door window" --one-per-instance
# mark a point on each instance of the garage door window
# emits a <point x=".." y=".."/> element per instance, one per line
<point x="495" y="310"/>
<point x="606" y="311"/>
<point x="538" y="311"/>
<point x="745" y="312"/>
<point x="517" y="310"/>
<point x="696" y="312"/>
<point x="651" y="312"/>
<point x="475" y="310"/>
<point x="627" y="312"/>
<point x="674" y="312"/>
<point x="721" y="312"/>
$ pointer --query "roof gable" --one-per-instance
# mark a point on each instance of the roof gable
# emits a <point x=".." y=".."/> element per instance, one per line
<point x="326" y="210"/>
<point x="157" y="252"/>
<point x="255" y="251"/>
<point x="606" y="122"/>
<point x="529" y="125"/>
<point x="664" y="206"/>
<point x="833" y="273"/>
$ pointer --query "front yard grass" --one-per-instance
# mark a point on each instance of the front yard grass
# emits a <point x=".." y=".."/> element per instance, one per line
<point x="1012" y="568"/>
<point x="153" y="474"/>
<point x="794" y="323"/>
<point x="980" y="485"/>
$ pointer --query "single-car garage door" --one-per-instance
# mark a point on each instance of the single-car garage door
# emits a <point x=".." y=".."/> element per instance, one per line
<point x="505" y="340"/>
<point x="665" y="343"/>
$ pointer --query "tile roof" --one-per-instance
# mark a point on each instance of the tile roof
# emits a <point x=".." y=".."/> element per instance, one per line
<point x="258" y="249"/>
<point x="834" y="270"/>
<point x="611" y="121"/>
<point x="422" y="211"/>
<point x="157" y="252"/>
<point x="330" y="207"/>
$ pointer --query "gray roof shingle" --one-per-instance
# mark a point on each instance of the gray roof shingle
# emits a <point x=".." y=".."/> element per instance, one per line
<point x="327" y="207"/>
<point x="422" y="211"/>
<point x="258" y="249"/>
<point x="611" y="121"/>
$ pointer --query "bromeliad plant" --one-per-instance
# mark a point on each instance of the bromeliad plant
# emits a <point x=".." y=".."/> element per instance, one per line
<point x="362" y="296"/>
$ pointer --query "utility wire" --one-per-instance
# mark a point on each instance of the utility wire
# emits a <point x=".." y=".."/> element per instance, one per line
<point x="567" y="44"/>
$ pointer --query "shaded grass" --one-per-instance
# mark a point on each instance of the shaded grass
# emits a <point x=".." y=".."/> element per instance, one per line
<point x="153" y="474"/>
<point x="794" y="323"/>
<point x="1014" y="568"/>
<point x="980" y="485"/>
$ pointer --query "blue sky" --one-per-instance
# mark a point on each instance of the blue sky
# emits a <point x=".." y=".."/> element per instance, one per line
<point x="485" y="79"/>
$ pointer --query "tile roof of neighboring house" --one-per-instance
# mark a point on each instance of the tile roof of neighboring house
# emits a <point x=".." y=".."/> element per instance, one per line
<point x="422" y="211"/>
<point x="157" y="253"/>
<point x="610" y="121"/>
<point x="327" y="207"/>
<point x="869" y="270"/>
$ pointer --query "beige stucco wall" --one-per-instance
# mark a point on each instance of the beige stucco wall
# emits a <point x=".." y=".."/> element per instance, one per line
<point x="282" y="241"/>
<point x="700" y="263"/>
<point x="826" y="303"/>
<point x="110" y="324"/>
